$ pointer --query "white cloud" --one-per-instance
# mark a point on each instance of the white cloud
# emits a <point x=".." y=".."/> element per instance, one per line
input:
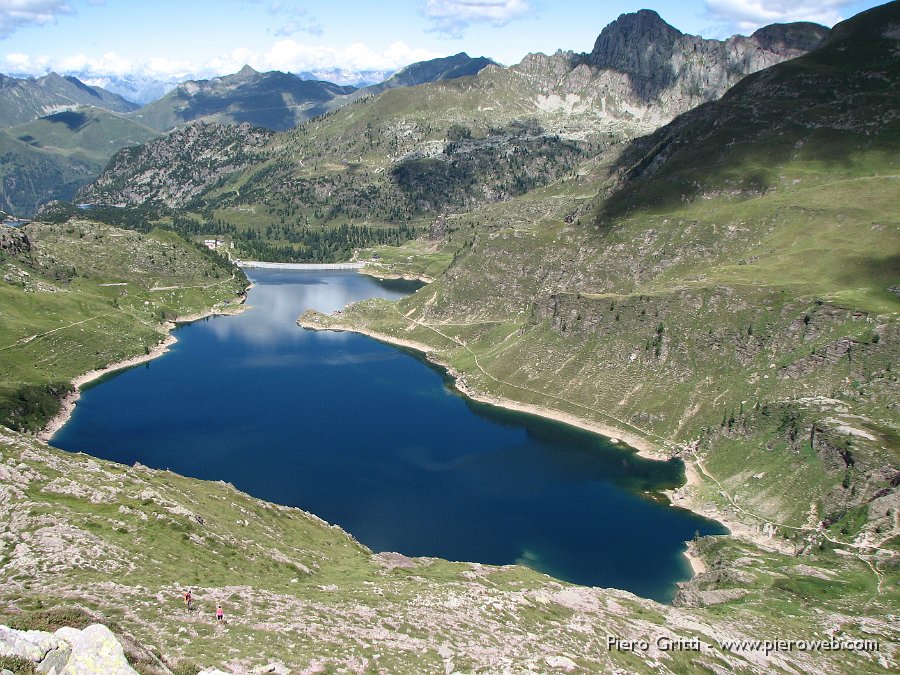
<point x="293" y="56"/>
<point x="15" y="14"/>
<point x="108" y="64"/>
<point x="294" y="20"/>
<point x="454" y="16"/>
<point x="745" y="16"/>
<point x="285" y="55"/>
<point x="162" y="67"/>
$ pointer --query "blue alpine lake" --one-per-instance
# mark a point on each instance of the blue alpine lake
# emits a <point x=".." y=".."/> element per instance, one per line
<point x="375" y="439"/>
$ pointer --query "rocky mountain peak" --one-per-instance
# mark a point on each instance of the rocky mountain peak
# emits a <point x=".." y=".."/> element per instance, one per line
<point x="247" y="71"/>
<point x="650" y="63"/>
<point x="643" y="34"/>
<point x="51" y="78"/>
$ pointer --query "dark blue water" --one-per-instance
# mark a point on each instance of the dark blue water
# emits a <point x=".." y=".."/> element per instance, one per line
<point x="372" y="438"/>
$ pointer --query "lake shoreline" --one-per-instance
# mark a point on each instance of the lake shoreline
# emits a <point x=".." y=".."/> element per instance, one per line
<point x="614" y="434"/>
<point x="68" y="402"/>
<point x="382" y="274"/>
<point x="684" y="497"/>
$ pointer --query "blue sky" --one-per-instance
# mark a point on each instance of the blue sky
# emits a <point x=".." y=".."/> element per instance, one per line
<point x="202" y="38"/>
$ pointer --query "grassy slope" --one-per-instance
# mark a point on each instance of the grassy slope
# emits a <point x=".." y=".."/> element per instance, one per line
<point x="85" y="296"/>
<point x="30" y="176"/>
<point x="79" y="537"/>
<point x="90" y="134"/>
<point x="52" y="157"/>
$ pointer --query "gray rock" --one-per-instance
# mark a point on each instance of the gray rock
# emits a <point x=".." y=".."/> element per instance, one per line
<point x="720" y="596"/>
<point x="95" y="651"/>
<point x="31" y="645"/>
<point x="55" y="661"/>
<point x="665" y="66"/>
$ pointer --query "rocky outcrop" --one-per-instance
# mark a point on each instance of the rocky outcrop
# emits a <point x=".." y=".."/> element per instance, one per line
<point x="171" y="170"/>
<point x="92" y="651"/>
<point x="669" y="72"/>
<point x="714" y="587"/>
<point x="644" y="72"/>
<point x="833" y="449"/>
<point x="825" y="356"/>
<point x="13" y="241"/>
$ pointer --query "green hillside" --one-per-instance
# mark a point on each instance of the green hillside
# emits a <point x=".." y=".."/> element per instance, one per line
<point x="98" y="541"/>
<point x="423" y="72"/>
<point x="88" y="133"/>
<point x="51" y="158"/>
<point x="272" y="100"/>
<point x="280" y="101"/>
<point x="31" y="176"/>
<point x="80" y="296"/>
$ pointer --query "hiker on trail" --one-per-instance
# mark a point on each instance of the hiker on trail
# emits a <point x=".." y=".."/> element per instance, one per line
<point x="220" y="614"/>
<point x="188" y="600"/>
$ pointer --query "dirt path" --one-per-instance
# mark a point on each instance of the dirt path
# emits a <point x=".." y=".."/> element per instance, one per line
<point x="32" y="338"/>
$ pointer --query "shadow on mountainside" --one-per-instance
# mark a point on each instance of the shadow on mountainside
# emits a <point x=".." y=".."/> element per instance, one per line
<point x="741" y="144"/>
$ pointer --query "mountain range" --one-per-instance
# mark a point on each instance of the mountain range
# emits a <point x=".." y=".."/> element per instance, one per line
<point x="640" y="74"/>
<point x="280" y="101"/>
<point x="272" y="100"/>
<point x="415" y="152"/>
<point x="23" y="100"/>
<point x="51" y="157"/>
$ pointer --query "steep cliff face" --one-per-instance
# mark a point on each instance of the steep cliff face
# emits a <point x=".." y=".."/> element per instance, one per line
<point x="646" y="63"/>
<point x="643" y="72"/>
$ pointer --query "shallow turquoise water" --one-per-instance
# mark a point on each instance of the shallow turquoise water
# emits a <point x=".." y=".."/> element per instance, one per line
<point x="373" y="438"/>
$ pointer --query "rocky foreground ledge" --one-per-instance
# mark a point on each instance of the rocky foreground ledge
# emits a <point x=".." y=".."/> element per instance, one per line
<point x="84" y="542"/>
<point x="68" y="651"/>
